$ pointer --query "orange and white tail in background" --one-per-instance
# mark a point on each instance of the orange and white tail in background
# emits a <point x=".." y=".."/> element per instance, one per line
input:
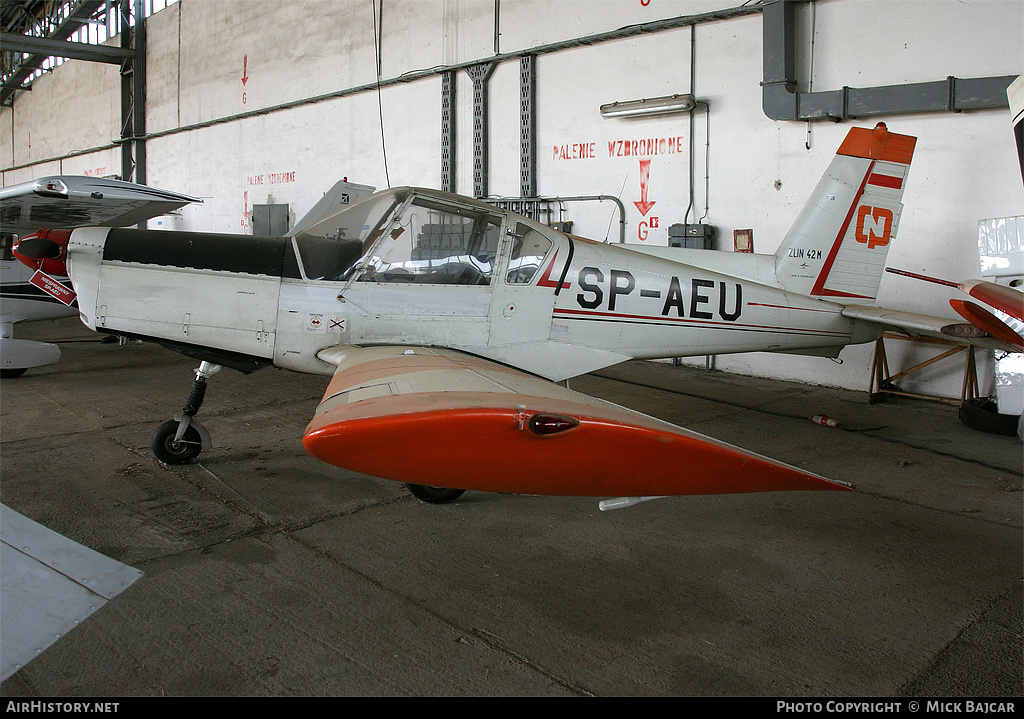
<point x="837" y="247"/>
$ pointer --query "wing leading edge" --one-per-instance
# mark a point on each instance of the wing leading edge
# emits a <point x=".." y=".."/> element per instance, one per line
<point x="70" y="201"/>
<point x="443" y="418"/>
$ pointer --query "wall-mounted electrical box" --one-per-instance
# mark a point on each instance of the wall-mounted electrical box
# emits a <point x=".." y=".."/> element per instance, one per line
<point x="270" y="220"/>
<point x="699" y="236"/>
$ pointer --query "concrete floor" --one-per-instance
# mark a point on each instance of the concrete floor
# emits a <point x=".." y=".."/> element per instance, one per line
<point x="269" y="573"/>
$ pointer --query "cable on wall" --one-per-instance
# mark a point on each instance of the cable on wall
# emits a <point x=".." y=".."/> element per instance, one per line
<point x="377" y="39"/>
<point x="707" y="137"/>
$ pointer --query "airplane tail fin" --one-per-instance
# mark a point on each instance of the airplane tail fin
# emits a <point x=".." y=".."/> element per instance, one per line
<point x="837" y="247"/>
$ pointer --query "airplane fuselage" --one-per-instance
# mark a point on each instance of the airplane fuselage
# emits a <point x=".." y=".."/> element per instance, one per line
<point x="572" y="307"/>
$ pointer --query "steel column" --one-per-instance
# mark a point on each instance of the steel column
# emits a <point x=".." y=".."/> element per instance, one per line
<point x="448" y="131"/>
<point x="481" y="163"/>
<point x="133" y="93"/>
<point x="528" y="126"/>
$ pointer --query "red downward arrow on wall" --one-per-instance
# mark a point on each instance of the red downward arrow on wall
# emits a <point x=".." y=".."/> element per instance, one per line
<point x="645" y="173"/>
<point x="245" y="69"/>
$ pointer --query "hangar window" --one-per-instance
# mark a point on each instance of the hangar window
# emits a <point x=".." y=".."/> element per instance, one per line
<point x="434" y="242"/>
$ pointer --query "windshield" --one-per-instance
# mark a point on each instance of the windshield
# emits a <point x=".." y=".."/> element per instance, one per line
<point x="434" y="242"/>
<point x="330" y="249"/>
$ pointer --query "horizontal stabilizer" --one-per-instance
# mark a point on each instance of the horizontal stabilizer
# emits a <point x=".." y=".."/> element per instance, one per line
<point x="915" y="325"/>
<point x="447" y="419"/>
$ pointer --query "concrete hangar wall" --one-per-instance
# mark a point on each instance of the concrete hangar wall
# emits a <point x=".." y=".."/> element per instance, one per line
<point x="254" y="101"/>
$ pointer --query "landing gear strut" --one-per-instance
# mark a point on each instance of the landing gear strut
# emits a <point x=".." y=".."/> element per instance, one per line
<point x="181" y="439"/>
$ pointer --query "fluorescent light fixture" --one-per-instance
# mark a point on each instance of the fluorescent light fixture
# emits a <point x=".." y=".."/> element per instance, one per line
<point x="652" y="106"/>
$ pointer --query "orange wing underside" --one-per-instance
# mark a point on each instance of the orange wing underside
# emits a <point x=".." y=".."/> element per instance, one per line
<point x="446" y="419"/>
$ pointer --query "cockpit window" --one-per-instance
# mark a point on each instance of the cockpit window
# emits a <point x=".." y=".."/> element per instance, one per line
<point x="330" y="249"/>
<point x="7" y="247"/>
<point x="528" y="253"/>
<point x="436" y="243"/>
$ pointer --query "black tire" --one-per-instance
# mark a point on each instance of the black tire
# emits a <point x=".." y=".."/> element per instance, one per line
<point x="12" y="373"/>
<point x="434" y="495"/>
<point x="982" y="414"/>
<point x="170" y="452"/>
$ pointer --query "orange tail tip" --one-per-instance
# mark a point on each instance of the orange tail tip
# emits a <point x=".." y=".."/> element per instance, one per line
<point x="878" y="144"/>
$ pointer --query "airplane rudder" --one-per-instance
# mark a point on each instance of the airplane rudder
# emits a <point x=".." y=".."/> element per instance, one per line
<point x="838" y="245"/>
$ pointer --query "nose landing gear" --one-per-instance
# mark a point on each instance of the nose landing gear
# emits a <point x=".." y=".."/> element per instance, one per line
<point x="180" y="440"/>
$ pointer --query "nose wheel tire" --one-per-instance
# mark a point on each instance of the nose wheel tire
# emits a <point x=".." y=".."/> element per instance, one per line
<point x="434" y="495"/>
<point x="170" y="452"/>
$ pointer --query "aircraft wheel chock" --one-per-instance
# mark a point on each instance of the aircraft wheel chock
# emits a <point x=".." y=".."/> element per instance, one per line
<point x="170" y="452"/>
<point x="434" y="495"/>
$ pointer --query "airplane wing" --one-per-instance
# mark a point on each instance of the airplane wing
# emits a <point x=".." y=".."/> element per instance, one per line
<point x="50" y="584"/>
<point x="443" y="418"/>
<point x="915" y="325"/>
<point x="70" y="201"/>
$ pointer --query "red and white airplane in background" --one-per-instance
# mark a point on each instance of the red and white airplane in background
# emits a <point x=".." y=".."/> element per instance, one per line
<point x="58" y="203"/>
<point x="446" y="323"/>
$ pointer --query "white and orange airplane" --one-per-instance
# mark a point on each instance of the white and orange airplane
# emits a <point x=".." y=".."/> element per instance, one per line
<point x="446" y="324"/>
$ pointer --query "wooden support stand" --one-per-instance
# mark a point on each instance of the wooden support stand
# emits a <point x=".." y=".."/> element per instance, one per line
<point x="883" y="383"/>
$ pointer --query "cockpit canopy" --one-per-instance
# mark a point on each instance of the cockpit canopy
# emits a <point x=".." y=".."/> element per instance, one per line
<point x="423" y="236"/>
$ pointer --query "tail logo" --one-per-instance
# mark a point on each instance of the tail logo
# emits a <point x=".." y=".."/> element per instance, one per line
<point x="874" y="226"/>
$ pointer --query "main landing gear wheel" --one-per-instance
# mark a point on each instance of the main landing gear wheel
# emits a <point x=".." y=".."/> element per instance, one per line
<point x="171" y="451"/>
<point x="434" y="495"/>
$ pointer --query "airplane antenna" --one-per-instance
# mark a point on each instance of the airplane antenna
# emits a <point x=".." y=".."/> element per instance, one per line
<point x="377" y="39"/>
